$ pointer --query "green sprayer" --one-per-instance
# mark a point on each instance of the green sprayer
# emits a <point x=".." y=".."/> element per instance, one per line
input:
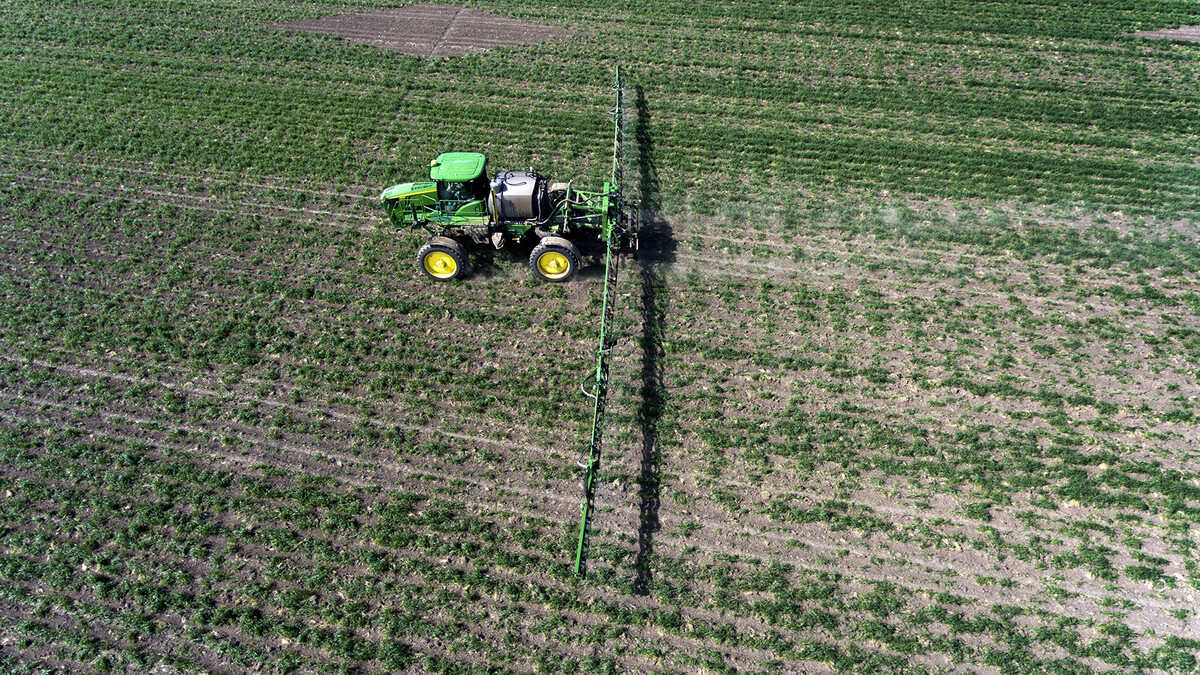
<point x="460" y="206"/>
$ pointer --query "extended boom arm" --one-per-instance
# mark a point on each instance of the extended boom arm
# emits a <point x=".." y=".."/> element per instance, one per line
<point x="615" y="231"/>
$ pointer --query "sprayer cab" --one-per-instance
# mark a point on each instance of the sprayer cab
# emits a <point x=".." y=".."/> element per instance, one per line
<point x="460" y="176"/>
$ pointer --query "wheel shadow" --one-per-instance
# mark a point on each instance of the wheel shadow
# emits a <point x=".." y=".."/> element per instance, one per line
<point x="656" y="250"/>
<point x="592" y="248"/>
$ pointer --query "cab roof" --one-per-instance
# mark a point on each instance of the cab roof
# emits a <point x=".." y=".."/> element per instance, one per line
<point x="457" y="166"/>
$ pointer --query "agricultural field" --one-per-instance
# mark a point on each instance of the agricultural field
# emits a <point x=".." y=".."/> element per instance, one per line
<point x="906" y="381"/>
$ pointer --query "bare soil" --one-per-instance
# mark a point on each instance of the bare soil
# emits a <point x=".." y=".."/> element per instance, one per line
<point x="1188" y="33"/>
<point x="430" y="30"/>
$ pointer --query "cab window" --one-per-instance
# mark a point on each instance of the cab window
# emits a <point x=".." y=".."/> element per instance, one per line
<point x="459" y="191"/>
<point x="451" y="191"/>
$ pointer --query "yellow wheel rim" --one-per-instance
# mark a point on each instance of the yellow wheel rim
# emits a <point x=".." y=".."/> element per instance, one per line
<point x="553" y="265"/>
<point x="440" y="265"/>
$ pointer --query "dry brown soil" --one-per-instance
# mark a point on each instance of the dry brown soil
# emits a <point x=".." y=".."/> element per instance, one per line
<point x="1189" y="33"/>
<point x="430" y="30"/>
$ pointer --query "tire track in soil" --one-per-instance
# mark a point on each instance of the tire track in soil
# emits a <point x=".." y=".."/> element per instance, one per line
<point x="727" y="261"/>
<point x="731" y="266"/>
<point x="311" y="654"/>
<point x="181" y="179"/>
<point x="734" y="268"/>
<point x="214" y="204"/>
<point x="409" y="29"/>
<point x="449" y="26"/>
<point x="231" y="285"/>
<point x="399" y="470"/>
<point x="161" y="641"/>
<point x="353" y="419"/>
<point x="328" y="277"/>
<point x="225" y="253"/>
<point x="710" y="266"/>
<point x="210" y="203"/>
<point x="212" y="393"/>
<point x="498" y="353"/>
<point x="682" y="643"/>
<point x="531" y="608"/>
<point x="717" y="617"/>
<point x="323" y="458"/>
<point x="752" y="625"/>
<point x="741" y="623"/>
<point x="740" y="551"/>
<point x="772" y="542"/>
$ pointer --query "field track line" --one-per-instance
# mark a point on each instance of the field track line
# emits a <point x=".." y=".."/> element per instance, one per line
<point x="185" y="178"/>
<point x="909" y="513"/>
<point x="449" y="26"/>
<point x="108" y="632"/>
<point x="90" y="372"/>
<point x="485" y="505"/>
<point x="489" y="502"/>
<point x="399" y="470"/>
<point x="753" y="268"/>
<point x="585" y="620"/>
<point x="202" y="202"/>
<point x="774" y="540"/>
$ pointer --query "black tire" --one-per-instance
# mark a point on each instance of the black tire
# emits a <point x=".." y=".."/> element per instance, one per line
<point x="442" y="259"/>
<point x="554" y="260"/>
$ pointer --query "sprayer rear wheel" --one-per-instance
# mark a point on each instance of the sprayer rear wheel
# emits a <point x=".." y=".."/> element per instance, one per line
<point x="442" y="259"/>
<point x="555" y="260"/>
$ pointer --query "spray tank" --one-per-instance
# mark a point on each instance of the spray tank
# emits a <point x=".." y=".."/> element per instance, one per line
<point x="519" y="195"/>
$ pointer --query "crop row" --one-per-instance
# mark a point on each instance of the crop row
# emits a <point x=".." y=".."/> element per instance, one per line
<point x="875" y="434"/>
<point x="411" y="316"/>
<point x="902" y="638"/>
<point x="830" y="116"/>
<point x="1077" y="19"/>
<point x="761" y="302"/>
<point x="216" y="570"/>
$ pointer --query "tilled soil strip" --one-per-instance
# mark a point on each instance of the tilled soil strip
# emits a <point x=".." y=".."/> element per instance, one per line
<point x="429" y="30"/>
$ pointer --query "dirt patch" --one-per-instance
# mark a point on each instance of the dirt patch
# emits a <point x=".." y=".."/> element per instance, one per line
<point x="1188" y="33"/>
<point x="430" y="30"/>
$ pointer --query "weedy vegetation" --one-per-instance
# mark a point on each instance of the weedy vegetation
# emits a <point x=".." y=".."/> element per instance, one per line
<point x="907" y="380"/>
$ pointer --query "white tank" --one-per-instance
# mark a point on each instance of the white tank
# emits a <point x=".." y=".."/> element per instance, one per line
<point x="519" y="195"/>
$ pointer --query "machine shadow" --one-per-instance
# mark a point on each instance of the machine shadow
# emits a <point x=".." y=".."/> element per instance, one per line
<point x="592" y="247"/>
<point x="656" y="250"/>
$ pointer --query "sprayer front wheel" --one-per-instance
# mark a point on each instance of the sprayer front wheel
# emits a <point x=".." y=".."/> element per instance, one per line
<point x="555" y="260"/>
<point x="442" y="259"/>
